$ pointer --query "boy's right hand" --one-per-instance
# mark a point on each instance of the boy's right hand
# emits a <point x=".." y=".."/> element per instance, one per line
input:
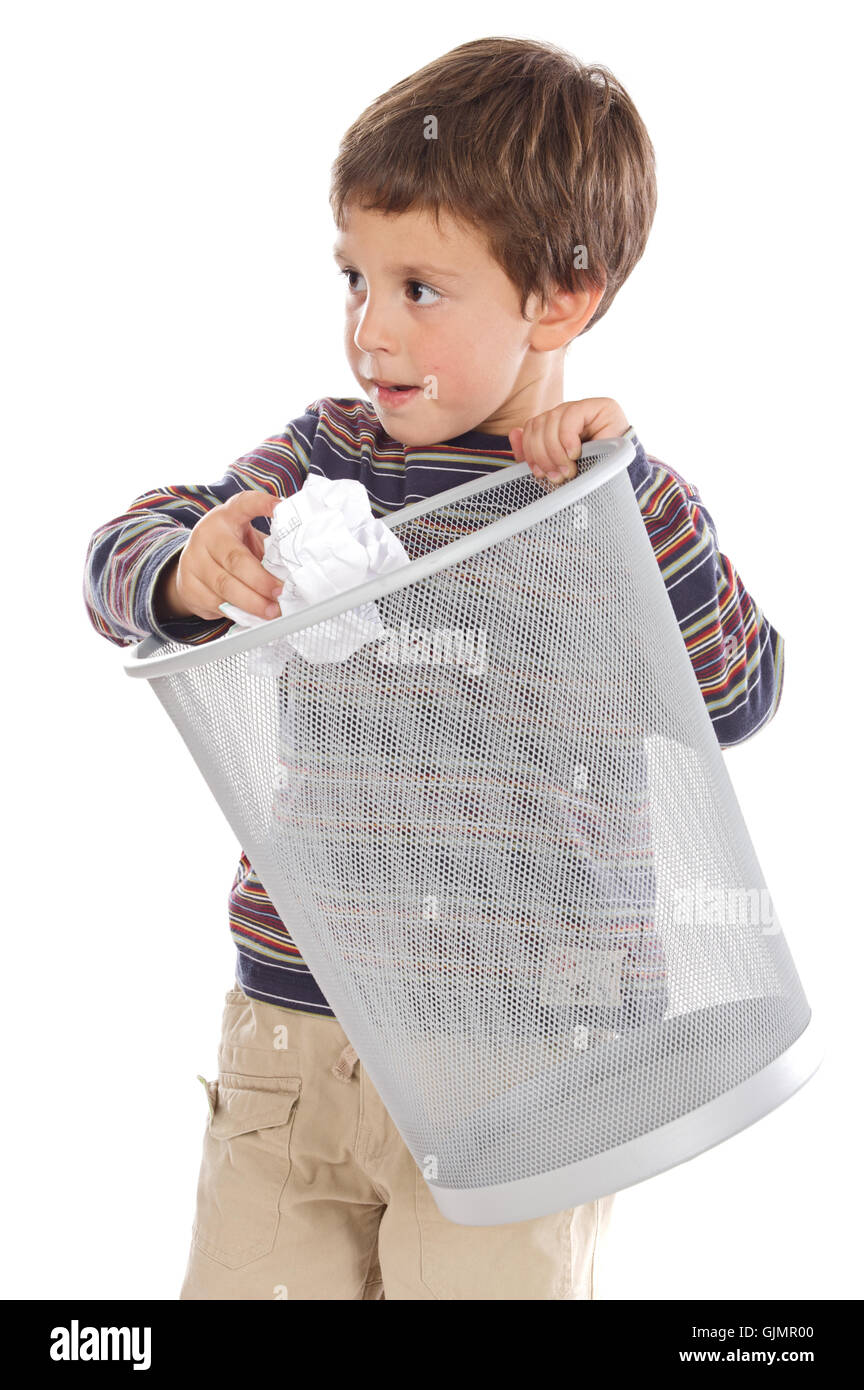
<point x="221" y="563"/>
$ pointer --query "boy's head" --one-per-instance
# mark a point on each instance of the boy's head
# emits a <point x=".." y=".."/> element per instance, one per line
<point x="489" y="208"/>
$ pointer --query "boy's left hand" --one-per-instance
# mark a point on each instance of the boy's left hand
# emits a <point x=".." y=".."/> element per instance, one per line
<point x="552" y="441"/>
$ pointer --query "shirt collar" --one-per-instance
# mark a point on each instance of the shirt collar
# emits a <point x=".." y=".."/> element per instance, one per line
<point x="475" y="439"/>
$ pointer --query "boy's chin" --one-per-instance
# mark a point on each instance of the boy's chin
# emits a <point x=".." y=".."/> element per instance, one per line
<point x="414" y="435"/>
<point x="418" y="434"/>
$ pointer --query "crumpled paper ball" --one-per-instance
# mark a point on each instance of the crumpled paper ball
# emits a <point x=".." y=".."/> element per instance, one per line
<point x="323" y="540"/>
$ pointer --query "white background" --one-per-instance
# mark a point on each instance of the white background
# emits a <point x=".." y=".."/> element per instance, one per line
<point x="170" y="301"/>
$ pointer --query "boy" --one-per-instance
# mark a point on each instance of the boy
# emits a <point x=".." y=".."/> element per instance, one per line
<point x="489" y="208"/>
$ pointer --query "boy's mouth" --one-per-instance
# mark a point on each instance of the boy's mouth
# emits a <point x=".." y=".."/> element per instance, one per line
<point x="391" y="394"/>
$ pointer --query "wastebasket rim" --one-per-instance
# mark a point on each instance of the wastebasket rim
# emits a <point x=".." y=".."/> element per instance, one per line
<point x="611" y="455"/>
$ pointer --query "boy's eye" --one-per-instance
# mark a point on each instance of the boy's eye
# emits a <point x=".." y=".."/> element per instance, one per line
<point x="411" y="286"/>
<point x="427" y="288"/>
<point x="348" y="273"/>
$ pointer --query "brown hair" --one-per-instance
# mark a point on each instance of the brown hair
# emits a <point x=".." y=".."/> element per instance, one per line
<point x="539" y="152"/>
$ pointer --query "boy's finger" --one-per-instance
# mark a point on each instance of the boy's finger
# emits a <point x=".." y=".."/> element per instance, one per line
<point x="255" y="541"/>
<point x="234" y="574"/>
<point x="252" y="537"/>
<point x="249" y="599"/>
<point x="251" y="502"/>
<point x="562" y="466"/>
<point x="205" y="601"/>
<point x="534" y="447"/>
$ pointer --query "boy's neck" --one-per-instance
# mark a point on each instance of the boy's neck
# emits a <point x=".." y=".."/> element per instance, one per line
<point x="542" y="391"/>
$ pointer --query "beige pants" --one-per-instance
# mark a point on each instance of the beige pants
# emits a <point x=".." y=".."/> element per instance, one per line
<point x="308" y="1191"/>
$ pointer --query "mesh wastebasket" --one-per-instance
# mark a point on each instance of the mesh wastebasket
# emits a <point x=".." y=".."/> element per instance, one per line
<point x="504" y="838"/>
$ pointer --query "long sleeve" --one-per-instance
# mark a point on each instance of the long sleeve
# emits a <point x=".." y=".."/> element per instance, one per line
<point x="737" y="655"/>
<point x="126" y="556"/>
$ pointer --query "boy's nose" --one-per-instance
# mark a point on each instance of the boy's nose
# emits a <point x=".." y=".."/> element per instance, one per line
<point x="372" y="336"/>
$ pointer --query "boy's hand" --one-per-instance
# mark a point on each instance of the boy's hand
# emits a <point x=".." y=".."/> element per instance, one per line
<point x="552" y="441"/>
<point x="221" y="562"/>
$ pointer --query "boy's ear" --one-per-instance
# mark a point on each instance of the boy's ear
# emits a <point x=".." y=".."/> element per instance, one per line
<point x="565" y="315"/>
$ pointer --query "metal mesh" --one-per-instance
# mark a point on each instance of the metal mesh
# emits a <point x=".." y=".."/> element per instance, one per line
<point x="504" y="838"/>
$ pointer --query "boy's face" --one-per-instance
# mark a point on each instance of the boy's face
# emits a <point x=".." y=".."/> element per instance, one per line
<point x="431" y="309"/>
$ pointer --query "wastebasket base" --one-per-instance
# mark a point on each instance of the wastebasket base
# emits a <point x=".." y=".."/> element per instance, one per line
<point x="642" y="1158"/>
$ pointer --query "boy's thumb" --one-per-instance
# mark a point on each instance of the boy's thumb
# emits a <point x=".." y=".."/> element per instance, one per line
<point x="253" y="501"/>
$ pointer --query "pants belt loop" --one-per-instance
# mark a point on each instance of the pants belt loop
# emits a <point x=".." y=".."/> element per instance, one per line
<point x="343" y="1070"/>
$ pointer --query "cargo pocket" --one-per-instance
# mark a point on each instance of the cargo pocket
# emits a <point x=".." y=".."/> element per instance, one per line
<point x="245" y="1165"/>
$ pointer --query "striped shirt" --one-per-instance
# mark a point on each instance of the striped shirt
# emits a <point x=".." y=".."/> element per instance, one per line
<point x="735" y="652"/>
